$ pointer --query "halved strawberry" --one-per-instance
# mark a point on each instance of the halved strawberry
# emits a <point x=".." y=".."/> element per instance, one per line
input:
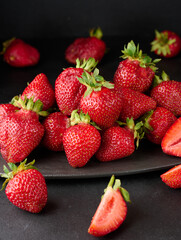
<point x="172" y="177"/>
<point x="111" y="211"/>
<point x="171" y="142"/>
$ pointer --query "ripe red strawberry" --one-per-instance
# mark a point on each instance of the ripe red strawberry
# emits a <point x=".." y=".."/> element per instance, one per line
<point x="136" y="71"/>
<point x="40" y="88"/>
<point x="17" y="53"/>
<point x="171" y="142"/>
<point x="172" y="177"/>
<point x="118" y="142"/>
<point x="157" y="122"/>
<point x="101" y="101"/>
<point x="135" y="104"/>
<point x="68" y="90"/>
<point x="166" y="44"/>
<point x="80" y="141"/>
<point x="26" y="187"/>
<point x="6" y="108"/>
<point x="167" y="94"/>
<point x="111" y="211"/>
<point x="21" y="131"/>
<point x="55" y="125"/>
<point x="84" y="48"/>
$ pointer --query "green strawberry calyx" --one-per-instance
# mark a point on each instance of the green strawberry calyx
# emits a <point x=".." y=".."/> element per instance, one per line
<point x="145" y="119"/>
<point x="87" y="65"/>
<point x="135" y="128"/>
<point x="80" y="117"/>
<point x="6" y="44"/>
<point x="133" y="52"/>
<point x="96" y="32"/>
<point x="157" y="80"/>
<point x="161" y="43"/>
<point x="115" y="184"/>
<point x="29" y="104"/>
<point x="94" y="82"/>
<point x="15" y="170"/>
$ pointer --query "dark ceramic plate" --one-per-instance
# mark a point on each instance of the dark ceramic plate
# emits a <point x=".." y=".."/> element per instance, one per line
<point x="148" y="157"/>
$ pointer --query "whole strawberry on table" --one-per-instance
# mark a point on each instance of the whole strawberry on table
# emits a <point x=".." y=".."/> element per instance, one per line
<point x="86" y="47"/>
<point x="166" y="44"/>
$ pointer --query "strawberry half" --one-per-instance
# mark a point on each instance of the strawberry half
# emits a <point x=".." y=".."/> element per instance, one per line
<point x="171" y="142"/>
<point x="84" y="48"/>
<point x="26" y="187"/>
<point x="17" y="53"/>
<point x="136" y="71"/>
<point x="40" y="88"/>
<point x="166" y="44"/>
<point x="68" y="90"/>
<point x="111" y="211"/>
<point x="172" y="177"/>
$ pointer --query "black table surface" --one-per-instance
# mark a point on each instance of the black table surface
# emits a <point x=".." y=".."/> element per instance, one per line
<point x="154" y="211"/>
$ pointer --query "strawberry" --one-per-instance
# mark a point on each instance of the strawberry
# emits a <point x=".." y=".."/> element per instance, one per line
<point x="171" y="142"/>
<point x="21" y="131"/>
<point x="17" y="53"/>
<point x="101" y="101"/>
<point x="112" y="209"/>
<point x="26" y="187"/>
<point x="68" y="90"/>
<point x="166" y="44"/>
<point x="6" y="108"/>
<point x="55" y="125"/>
<point x="84" y="48"/>
<point x="118" y="142"/>
<point x="40" y="88"/>
<point x="167" y="94"/>
<point x="157" y="122"/>
<point x="136" y="71"/>
<point x="172" y="177"/>
<point x="135" y="104"/>
<point x="81" y="140"/>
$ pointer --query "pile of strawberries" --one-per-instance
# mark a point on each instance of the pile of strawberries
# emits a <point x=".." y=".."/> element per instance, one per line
<point x="85" y="115"/>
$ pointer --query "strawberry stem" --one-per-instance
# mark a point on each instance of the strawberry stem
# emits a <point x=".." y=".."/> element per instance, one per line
<point x="96" y="32"/>
<point x="87" y="65"/>
<point x="6" y="44"/>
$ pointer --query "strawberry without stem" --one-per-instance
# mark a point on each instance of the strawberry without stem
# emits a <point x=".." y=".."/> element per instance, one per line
<point x="68" y="90"/>
<point x="171" y="142"/>
<point x="111" y="211"/>
<point x="40" y="88"/>
<point x="136" y="71"/>
<point x="17" y="53"/>
<point x="101" y="101"/>
<point x="166" y="44"/>
<point x="84" y="48"/>
<point x="81" y="140"/>
<point x="26" y="187"/>
<point x="172" y="177"/>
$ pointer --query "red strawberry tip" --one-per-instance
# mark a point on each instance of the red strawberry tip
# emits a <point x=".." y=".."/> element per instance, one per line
<point x="29" y="104"/>
<point x="133" y="52"/>
<point x="87" y="65"/>
<point x="116" y="185"/>
<point x="15" y="169"/>
<point x="96" y="32"/>
<point x="6" y="44"/>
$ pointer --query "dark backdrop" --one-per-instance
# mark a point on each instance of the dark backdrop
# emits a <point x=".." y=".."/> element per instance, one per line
<point x="57" y="18"/>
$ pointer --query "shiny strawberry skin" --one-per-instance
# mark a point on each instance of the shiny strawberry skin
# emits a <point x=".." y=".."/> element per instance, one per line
<point x="28" y="191"/>
<point x="160" y="121"/>
<point x="135" y="104"/>
<point x="109" y="215"/>
<point x="167" y="94"/>
<point x="116" y="143"/>
<point x="80" y="144"/>
<point x="21" y="54"/>
<point x="103" y="106"/>
<point x="84" y="48"/>
<point x="20" y="133"/>
<point x="131" y="75"/>
<point x="55" y="125"/>
<point x="68" y="90"/>
<point x="6" y="108"/>
<point x="172" y="177"/>
<point x="41" y="89"/>
<point x="171" y="142"/>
